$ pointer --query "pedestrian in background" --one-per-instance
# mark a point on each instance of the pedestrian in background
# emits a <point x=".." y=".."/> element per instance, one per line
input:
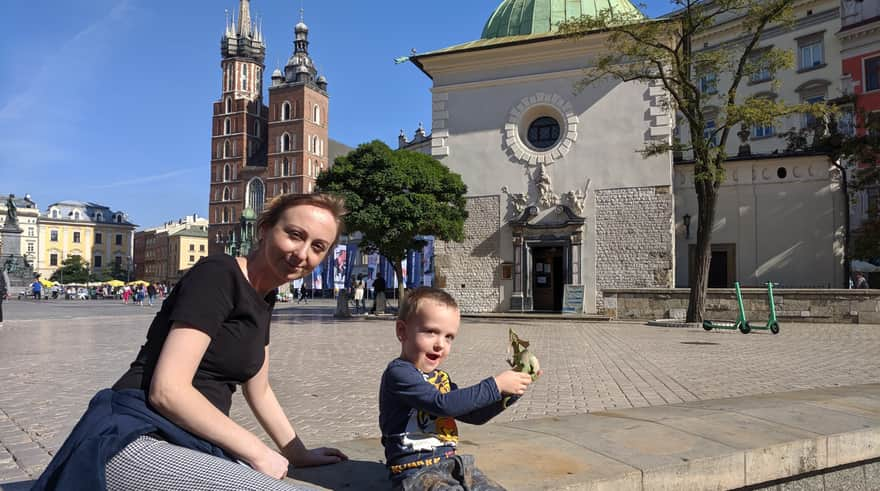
<point x="37" y="289"/>
<point x="861" y="281"/>
<point x="151" y="293"/>
<point x="360" y="305"/>
<point x="4" y="289"/>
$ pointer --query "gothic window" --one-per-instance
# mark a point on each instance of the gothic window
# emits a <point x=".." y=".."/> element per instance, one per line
<point x="285" y="111"/>
<point x="225" y="215"/>
<point x="228" y="83"/>
<point x="285" y="188"/>
<point x="257" y="128"/>
<point x="285" y="142"/>
<point x="244" y="77"/>
<point x="317" y="114"/>
<point x="285" y="167"/>
<point x="256" y="195"/>
<point x="227" y="126"/>
<point x="227" y="173"/>
<point x="227" y="149"/>
<point x="226" y="194"/>
<point x="229" y="104"/>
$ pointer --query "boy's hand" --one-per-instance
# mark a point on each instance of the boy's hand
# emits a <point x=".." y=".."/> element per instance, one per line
<point x="513" y="383"/>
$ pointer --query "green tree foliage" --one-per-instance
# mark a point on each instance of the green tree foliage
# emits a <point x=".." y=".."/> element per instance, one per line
<point x="662" y="52"/>
<point x="72" y="270"/>
<point x="395" y="196"/>
<point x="116" y="272"/>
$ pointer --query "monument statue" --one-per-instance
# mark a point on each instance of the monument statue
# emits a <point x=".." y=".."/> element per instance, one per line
<point x="11" y="212"/>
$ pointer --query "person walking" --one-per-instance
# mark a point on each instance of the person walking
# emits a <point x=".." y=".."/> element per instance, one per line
<point x="359" y="304"/>
<point x="151" y="293"/>
<point x="165" y="424"/>
<point x="4" y="290"/>
<point x="378" y="295"/>
<point x="37" y="289"/>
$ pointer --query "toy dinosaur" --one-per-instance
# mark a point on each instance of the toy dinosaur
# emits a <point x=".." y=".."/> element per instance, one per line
<point x="521" y="360"/>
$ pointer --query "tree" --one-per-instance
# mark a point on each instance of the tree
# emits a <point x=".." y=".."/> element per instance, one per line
<point x="72" y="270"/>
<point x="115" y="273"/>
<point x="662" y="52"/>
<point x="396" y="196"/>
<point x="855" y="158"/>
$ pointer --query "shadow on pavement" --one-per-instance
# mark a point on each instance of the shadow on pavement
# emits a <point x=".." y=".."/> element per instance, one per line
<point x="351" y="474"/>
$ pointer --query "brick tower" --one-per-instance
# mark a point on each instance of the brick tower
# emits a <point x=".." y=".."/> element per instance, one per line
<point x="261" y="151"/>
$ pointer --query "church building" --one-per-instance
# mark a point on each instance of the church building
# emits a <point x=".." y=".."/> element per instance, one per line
<point x="558" y="195"/>
<point x="261" y="149"/>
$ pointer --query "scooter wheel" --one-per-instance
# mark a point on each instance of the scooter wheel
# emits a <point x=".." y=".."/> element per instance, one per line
<point x="774" y="328"/>
<point x="707" y="326"/>
<point x="744" y="328"/>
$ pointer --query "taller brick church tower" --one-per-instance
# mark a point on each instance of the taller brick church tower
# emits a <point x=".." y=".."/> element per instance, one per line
<point x="260" y="151"/>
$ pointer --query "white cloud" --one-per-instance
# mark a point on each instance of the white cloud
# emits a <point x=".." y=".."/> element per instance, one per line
<point x="146" y="179"/>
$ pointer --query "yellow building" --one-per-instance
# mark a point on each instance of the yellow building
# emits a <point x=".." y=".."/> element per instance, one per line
<point x="103" y="238"/>
<point x="163" y="254"/>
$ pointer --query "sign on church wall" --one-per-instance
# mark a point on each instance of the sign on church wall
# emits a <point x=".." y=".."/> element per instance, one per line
<point x="573" y="299"/>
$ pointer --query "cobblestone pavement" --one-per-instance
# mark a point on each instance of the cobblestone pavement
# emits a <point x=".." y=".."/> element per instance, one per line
<point x="55" y="355"/>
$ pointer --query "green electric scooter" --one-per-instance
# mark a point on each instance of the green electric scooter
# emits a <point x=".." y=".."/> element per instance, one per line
<point x="741" y="322"/>
<point x="772" y="324"/>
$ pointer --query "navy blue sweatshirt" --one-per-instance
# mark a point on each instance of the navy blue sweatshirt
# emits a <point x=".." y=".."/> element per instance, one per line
<point x="114" y="419"/>
<point x="417" y="413"/>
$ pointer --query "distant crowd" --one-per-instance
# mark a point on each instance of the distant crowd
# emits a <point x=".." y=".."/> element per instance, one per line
<point x="137" y="293"/>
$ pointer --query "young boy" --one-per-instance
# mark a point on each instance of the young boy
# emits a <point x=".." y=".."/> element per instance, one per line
<point x="418" y="403"/>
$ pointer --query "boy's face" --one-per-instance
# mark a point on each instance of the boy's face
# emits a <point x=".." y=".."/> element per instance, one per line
<point x="426" y="337"/>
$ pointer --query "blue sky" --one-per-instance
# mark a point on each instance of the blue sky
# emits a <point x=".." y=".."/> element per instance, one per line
<point x="110" y="100"/>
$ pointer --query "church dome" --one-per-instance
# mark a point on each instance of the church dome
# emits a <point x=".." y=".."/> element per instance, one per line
<point x="519" y="17"/>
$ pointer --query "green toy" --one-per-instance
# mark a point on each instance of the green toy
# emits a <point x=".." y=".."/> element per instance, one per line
<point x="521" y="360"/>
<point x="741" y="322"/>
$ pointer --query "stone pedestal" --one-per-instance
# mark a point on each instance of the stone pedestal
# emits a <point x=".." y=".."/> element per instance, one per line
<point x="20" y="272"/>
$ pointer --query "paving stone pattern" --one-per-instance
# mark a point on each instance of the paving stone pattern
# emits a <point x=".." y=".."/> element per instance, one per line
<point x="54" y="357"/>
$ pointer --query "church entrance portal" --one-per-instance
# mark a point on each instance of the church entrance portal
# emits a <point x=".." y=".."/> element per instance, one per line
<point x="548" y="278"/>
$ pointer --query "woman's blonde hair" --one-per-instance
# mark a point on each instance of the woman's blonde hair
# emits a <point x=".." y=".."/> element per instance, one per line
<point x="330" y="202"/>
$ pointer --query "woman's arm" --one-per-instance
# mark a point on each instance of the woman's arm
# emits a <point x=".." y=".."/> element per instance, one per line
<point x="173" y="395"/>
<point x="269" y="413"/>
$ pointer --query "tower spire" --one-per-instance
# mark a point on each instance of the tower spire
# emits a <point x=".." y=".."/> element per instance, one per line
<point x="244" y="18"/>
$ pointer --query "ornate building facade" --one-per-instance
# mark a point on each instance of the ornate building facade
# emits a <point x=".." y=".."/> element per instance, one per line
<point x="260" y="149"/>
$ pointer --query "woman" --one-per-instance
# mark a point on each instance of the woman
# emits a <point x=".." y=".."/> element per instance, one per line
<point x="165" y="424"/>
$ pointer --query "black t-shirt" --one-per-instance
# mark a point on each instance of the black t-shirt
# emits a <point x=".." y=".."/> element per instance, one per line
<point x="216" y="298"/>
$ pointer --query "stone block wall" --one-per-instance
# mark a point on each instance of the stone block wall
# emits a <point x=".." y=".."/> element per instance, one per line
<point x="634" y="238"/>
<point x="794" y="305"/>
<point x="470" y="270"/>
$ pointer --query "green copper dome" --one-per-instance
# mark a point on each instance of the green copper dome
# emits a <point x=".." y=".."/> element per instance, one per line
<point x="519" y="17"/>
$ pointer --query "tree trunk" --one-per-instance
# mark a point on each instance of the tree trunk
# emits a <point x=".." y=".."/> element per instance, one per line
<point x="707" y="198"/>
<point x="398" y="273"/>
<point x="847" y="238"/>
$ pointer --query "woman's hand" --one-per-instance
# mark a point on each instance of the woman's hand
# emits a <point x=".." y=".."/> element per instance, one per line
<point x="318" y="456"/>
<point x="271" y="463"/>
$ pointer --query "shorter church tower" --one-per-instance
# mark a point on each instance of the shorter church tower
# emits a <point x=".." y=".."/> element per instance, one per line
<point x="298" y="136"/>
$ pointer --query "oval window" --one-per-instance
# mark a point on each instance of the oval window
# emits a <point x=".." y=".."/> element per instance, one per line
<point x="543" y="132"/>
<point x="781" y="173"/>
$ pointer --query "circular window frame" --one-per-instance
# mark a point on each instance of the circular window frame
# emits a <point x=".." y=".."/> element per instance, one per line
<point x="529" y="110"/>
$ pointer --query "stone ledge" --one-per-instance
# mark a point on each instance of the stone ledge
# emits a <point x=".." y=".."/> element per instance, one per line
<point x="717" y="444"/>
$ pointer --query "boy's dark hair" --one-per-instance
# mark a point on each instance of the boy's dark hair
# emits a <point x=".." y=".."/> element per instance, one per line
<point x="416" y="298"/>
